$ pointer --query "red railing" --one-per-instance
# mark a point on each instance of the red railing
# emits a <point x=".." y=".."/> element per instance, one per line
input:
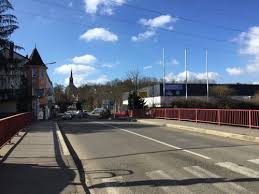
<point x="245" y="118"/>
<point x="121" y="114"/>
<point x="10" y="126"/>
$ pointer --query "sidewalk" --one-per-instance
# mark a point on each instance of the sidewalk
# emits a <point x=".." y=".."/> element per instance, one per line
<point x="37" y="165"/>
<point x="240" y="133"/>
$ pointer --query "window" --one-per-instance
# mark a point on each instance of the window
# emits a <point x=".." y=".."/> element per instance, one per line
<point x="34" y="73"/>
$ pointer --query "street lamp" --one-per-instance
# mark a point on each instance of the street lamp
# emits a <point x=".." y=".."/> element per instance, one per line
<point x="51" y="63"/>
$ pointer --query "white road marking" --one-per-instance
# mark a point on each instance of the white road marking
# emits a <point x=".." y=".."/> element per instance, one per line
<point x="255" y="161"/>
<point x="173" y="188"/>
<point x="64" y="147"/>
<point x="160" y="142"/>
<point x="115" y="185"/>
<point x="227" y="187"/>
<point x="239" y="169"/>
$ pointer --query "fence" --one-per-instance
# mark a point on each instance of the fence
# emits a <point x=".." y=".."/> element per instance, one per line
<point x="244" y="118"/>
<point x="10" y="126"/>
<point x="121" y="114"/>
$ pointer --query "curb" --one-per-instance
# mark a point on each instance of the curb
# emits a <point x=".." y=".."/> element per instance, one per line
<point x="68" y="153"/>
<point x="206" y="131"/>
<point x="83" y="177"/>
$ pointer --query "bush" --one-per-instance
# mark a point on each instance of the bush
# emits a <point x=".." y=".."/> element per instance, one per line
<point x="218" y="103"/>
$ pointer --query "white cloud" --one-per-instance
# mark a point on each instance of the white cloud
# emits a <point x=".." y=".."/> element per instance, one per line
<point x="148" y="67"/>
<point x="103" y="6"/>
<point x="257" y="82"/>
<point x="175" y="62"/>
<point x="107" y="65"/>
<point x="77" y="79"/>
<point x="77" y="69"/>
<point x="143" y="36"/>
<point x="85" y="59"/>
<point x="191" y="76"/>
<point x="99" y="34"/>
<point x="80" y="79"/>
<point x="159" y="22"/>
<point x="249" y="45"/>
<point x="100" y="80"/>
<point x="163" y="21"/>
<point x="234" y="71"/>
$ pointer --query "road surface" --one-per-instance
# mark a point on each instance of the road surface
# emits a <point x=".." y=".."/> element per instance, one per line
<point x="127" y="157"/>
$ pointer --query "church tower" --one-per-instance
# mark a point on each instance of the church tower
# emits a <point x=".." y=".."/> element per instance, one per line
<point x="71" y="82"/>
<point x="71" y="89"/>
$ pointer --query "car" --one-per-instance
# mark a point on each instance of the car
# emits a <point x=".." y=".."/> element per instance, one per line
<point x="97" y="111"/>
<point x="67" y="116"/>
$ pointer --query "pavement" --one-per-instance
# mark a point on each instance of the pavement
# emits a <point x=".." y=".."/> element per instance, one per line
<point x="36" y="163"/>
<point x="131" y="157"/>
<point x="234" y="132"/>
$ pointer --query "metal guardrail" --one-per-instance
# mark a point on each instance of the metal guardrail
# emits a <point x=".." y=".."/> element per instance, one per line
<point x="236" y="117"/>
<point x="11" y="125"/>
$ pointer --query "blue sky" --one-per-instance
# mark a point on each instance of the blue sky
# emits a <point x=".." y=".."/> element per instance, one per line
<point x="103" y="39"/>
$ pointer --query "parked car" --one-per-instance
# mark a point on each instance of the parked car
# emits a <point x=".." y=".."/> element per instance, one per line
<point x="67" y="116"/>
<point x="97" y="111"/>
<point x="85" y="114"/>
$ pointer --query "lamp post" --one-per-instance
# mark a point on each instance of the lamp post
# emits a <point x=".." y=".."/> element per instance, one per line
<point x="51" y="63"/>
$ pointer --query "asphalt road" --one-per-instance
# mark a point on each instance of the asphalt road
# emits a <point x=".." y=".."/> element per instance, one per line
<point x="126" y="157"/>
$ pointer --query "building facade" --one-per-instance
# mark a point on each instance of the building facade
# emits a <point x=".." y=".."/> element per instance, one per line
<point x="25" y="84"/>
<point x="154" y="96"/>
<point x="13" y="84"/>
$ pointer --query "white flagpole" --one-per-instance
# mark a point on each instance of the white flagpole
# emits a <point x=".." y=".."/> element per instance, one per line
<point x="186" y="75"/>
<point x="163" y="61"/>
<point x="207" y="73"/>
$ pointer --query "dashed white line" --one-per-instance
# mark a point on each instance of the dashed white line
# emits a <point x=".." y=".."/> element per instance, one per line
<point x="239" y="169"/>
<point x="227" y="187"/>
<point x="115" y="185"/>
<point x="160" y="142"/>
<point x="161" y="175"/>
<point x="255" y="161"/>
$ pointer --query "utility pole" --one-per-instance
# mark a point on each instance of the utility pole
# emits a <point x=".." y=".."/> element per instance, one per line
<point x="207" y="73"/>
<point x="163" y="62"/>
<point x="186" y="74"/>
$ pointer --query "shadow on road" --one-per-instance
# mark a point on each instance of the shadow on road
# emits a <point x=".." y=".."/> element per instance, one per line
<point x="169" y="182"/>
<point x="31" y="179"/>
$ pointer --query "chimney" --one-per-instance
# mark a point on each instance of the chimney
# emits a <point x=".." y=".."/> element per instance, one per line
<point x="11" y="51"/>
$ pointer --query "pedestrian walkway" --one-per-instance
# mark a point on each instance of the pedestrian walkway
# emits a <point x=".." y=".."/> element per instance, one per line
<point x="189" y="179"/>
<point x="36" y="164"/>
<point x="234" y="132"/>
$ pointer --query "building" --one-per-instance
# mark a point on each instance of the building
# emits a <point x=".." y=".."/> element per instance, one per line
<point x="154" y="97"/>
<point x="72" y="93"/>
<point x="13" y="84"/>
<point x="71" y="89"/>
<point x="25" y="84"/>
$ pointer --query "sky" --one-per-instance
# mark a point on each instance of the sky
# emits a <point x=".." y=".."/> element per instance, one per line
<point x="102" y="40"/>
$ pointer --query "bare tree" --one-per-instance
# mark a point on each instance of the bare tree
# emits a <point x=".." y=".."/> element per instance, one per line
<point x="134" y="77"/>
<point x="221" y="91"/>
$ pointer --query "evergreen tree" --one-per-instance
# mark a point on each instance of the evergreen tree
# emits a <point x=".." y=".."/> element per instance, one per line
<point x="8" y="24"/>
<point x="135" y="102"/>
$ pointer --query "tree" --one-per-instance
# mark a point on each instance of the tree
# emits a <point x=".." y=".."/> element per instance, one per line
<point x="78" y="106"/>
<point x="134" y="77"/>
<point x="135" y="102"/>
<point x="8" y="24"/>
<point x="221" y="91"/>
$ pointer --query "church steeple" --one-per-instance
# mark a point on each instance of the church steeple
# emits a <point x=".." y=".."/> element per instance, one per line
<point x="71" y="79"/>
